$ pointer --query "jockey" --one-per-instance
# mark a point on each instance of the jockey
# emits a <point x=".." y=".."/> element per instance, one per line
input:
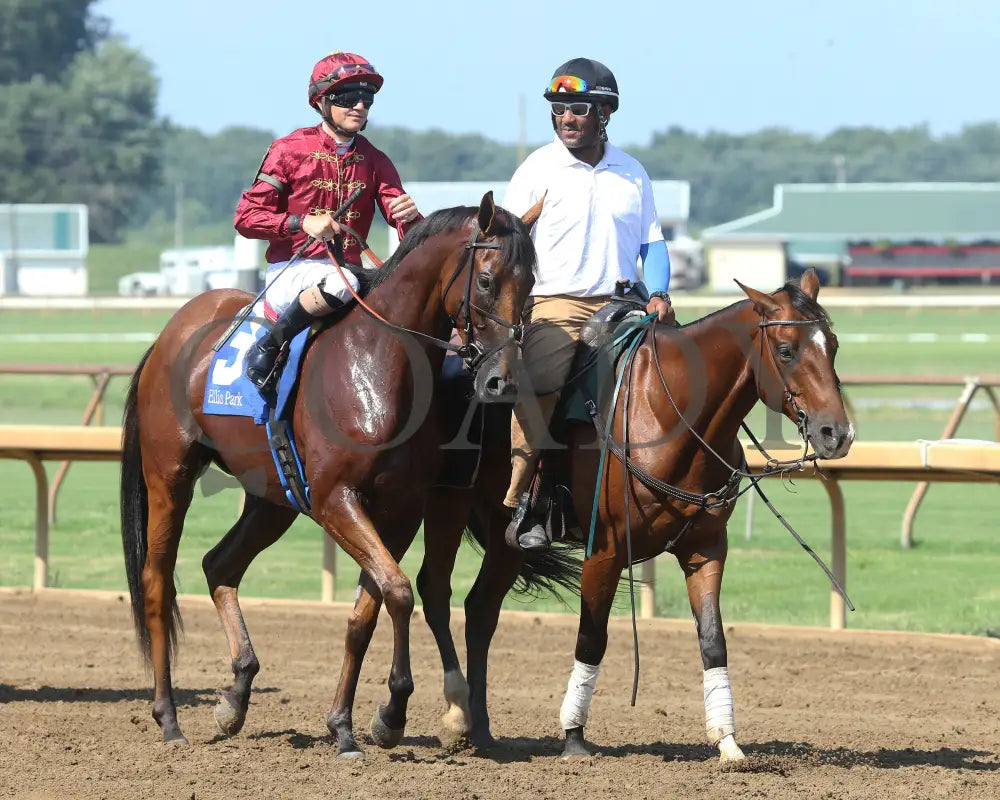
<point x="304" y="177"/>
<point x="597" y="223"/>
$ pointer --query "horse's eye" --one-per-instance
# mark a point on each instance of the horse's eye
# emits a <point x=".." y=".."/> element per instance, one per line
<point x="484" y="282"/>
<point x="785" y="352"/>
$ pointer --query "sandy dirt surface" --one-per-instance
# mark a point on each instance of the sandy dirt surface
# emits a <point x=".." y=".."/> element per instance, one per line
<point x="820" y="714"/>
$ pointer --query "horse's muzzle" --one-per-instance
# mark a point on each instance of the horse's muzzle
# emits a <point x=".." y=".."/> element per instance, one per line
<point x="495" y="383"/>
<point x="831" y="439"/>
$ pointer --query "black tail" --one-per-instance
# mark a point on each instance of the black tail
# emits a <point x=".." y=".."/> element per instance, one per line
<point x="135" y="515"/>
<point x="542" y="571"/>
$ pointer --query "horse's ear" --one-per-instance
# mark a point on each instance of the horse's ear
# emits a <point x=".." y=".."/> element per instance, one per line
<point x="763" y="304"/>
<point x="810" y="283"/>
<point x="532" y="214"/>
<point x="487" y="213"/>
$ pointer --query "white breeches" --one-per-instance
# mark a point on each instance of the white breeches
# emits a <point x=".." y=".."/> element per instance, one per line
<point x="304" y="275"/>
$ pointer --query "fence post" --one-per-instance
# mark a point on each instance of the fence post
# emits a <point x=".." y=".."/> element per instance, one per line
<point x="838" y="551"/>
<point x="329" y="581"/>
<point x="647" y="594"/>
<point x="910" y="515"/>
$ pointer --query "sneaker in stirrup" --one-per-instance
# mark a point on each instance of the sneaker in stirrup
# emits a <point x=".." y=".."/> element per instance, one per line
<point x="525" y="531"/>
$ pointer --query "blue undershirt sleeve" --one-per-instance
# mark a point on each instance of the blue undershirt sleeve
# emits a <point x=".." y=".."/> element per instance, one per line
<point x="655" y="265"/>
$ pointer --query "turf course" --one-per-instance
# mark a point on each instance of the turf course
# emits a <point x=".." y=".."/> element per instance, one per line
<point x="947" y="583"/>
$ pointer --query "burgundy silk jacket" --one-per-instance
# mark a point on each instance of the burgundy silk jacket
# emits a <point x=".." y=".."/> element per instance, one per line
<point x="302" y="174"/>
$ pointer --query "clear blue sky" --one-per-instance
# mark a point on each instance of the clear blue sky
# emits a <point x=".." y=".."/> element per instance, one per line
<point x="462" y="66"/>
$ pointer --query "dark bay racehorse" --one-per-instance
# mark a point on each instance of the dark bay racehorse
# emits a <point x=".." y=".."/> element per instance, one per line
<point x="679" y="409"/>
<point x="364" y="432"/>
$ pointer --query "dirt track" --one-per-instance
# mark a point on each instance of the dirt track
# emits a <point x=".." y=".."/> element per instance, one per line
<point x="819" y="714"/>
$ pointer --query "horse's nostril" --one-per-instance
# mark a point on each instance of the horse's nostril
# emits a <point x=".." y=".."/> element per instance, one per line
<point x="495" y="385"/>
<point x="827" y="432"/>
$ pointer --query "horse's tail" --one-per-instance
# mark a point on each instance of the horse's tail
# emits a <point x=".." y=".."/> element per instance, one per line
<point x="548" y="571"/>
<point x="135" y="514"/>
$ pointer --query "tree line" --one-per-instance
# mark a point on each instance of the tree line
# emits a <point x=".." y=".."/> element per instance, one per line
<point x="78" y="124"/>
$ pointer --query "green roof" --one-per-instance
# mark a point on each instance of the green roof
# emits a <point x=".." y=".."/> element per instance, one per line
<point x="866" y="211"/>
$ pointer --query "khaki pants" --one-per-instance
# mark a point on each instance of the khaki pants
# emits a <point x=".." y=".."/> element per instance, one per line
<point x="547" y="354"/>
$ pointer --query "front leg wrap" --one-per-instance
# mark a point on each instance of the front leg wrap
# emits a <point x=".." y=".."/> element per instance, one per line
<point x="579" y="693"/>
<point x="719" y="719"/>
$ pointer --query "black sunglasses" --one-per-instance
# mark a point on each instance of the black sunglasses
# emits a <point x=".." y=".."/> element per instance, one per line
<point x="351" y="99"/>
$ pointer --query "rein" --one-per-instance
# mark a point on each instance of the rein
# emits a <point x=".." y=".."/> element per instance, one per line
<point x="471" y="351"/>
<point x="725" y="496"/>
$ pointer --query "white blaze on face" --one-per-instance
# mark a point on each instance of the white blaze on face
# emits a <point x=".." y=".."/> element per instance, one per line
<point x="819" y="337"/>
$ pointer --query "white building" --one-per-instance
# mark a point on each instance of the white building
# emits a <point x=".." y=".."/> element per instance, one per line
<point x="192" y="270"/>
<point x="43" y="249"/>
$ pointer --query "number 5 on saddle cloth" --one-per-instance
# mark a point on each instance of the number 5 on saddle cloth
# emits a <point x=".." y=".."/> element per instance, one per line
<point x="228" y="392"/>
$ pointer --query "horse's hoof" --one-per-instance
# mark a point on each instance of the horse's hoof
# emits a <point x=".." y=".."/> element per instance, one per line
<point x="456" y="721"/>
<point x="575" y="745"/>
<point x="482" y="740"/>
<point x="454" y="742"/>
<point x="384" y="736"/>
<point x="228" y="719"/>
<point x="175" y="740"/>
<point x="729" y="751"/>
<point x="455" y="729"/>
<point x="352" y="755"/>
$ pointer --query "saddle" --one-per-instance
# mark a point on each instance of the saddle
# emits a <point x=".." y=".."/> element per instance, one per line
<point x="591" y="380"/>
<point x="463" y="423"/>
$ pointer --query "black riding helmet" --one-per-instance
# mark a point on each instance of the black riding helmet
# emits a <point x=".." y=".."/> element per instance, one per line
<point x="586" y="80"/>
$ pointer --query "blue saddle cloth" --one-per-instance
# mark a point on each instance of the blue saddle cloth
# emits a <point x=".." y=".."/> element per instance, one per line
<point x="228" y="392"/>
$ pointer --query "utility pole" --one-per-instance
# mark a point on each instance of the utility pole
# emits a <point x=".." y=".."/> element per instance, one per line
<point x="521" y="146"/>
<point x="179" y="214"/>
<point x="840" y="165"/>
<point x="13" y="266"/>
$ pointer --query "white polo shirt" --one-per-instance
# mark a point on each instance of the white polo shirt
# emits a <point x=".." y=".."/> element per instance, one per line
<point x="593" y="221"/>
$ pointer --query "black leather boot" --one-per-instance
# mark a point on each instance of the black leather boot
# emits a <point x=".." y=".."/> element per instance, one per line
<point x="263" y="355"/>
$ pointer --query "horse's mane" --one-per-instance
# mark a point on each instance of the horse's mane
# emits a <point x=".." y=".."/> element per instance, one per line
<point x="805" y="305"/>
<point x="516" y="246"/>
<point x="801" y="302"/>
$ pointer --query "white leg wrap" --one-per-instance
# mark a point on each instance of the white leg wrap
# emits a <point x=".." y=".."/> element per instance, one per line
<point x="579" y="693"/>
<point x="719" y="720"/>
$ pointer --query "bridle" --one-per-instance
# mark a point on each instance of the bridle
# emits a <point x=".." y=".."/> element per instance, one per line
<point x="730" y="492"/>
<point x="474" y="354"/>
<point x="801" y="418"/>
<point x="472" y="351"/>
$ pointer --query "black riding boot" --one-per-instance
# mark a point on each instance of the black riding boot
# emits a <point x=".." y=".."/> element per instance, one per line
<point x="262" y="356"/>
